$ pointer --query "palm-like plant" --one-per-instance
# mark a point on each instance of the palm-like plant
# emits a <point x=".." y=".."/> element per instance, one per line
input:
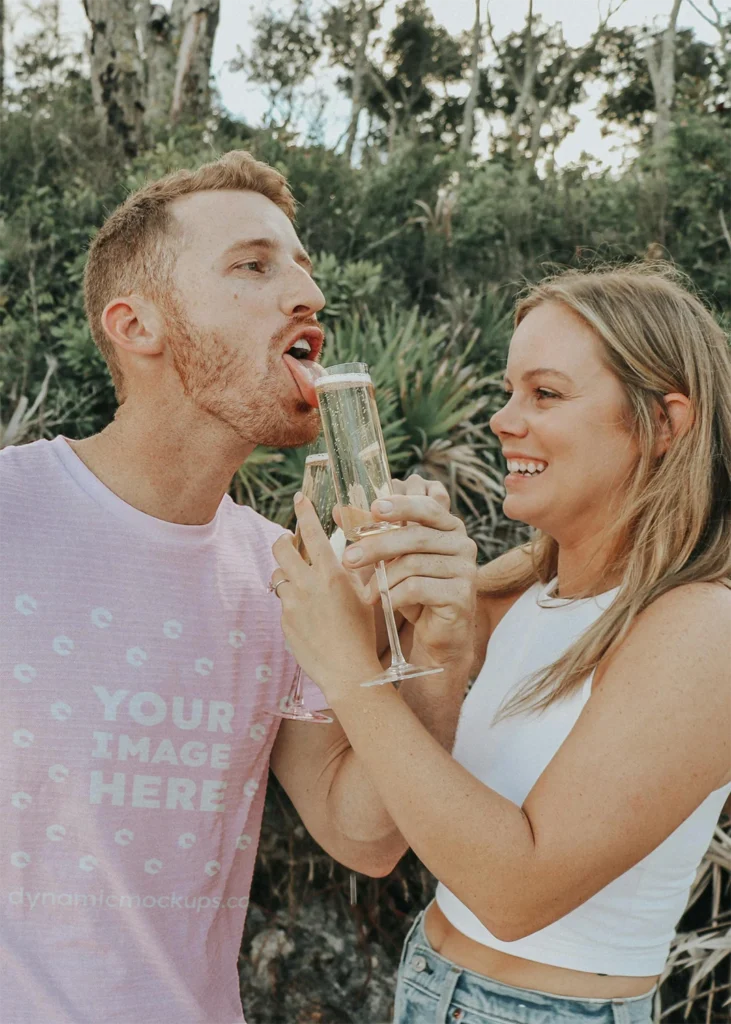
<point x="699" y="955"/>
<point x="26" y="419"/>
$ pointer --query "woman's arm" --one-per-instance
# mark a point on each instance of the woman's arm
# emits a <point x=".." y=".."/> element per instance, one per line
<point x="652" y="742"/>
<point x="431" y="573"/>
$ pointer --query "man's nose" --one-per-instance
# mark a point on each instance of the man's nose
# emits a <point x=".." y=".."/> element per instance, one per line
<point x="303" y="296"/>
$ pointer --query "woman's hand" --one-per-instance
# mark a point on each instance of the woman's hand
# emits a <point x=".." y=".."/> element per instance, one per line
<point x="431" y="569"/>
<point x="325" y="617"/>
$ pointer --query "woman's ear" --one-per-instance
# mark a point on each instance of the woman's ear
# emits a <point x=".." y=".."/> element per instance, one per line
<point x="676" y="419"/>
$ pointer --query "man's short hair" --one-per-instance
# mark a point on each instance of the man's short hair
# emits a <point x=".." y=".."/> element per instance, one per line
<point x="135" y="249"/>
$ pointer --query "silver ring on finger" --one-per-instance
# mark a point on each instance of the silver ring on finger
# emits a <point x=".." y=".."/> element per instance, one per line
<point x="273" y="586"/>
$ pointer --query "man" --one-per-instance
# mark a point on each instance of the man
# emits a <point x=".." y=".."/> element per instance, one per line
<point x="141" y="649"/>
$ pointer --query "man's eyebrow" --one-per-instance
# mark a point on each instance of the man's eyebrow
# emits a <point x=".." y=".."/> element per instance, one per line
<point x="266" y="245"/>
<point x="542" y="371"/>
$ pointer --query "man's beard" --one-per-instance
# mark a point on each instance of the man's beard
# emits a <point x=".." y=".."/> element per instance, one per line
<point x="214" y="377"/>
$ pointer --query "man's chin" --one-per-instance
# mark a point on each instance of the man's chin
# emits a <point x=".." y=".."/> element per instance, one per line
<point x="302" y="429"/>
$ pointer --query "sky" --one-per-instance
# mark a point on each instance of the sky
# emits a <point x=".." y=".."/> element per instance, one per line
<point x="578" y="17"/>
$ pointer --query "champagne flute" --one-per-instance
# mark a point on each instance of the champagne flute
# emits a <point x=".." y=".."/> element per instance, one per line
<point x="317" y="485"/>
<point x="360" y="474"/>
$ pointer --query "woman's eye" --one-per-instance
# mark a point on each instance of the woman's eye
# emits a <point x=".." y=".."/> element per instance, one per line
<point x="540" y="393"/>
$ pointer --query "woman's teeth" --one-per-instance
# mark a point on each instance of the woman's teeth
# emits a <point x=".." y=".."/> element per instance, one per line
<point x="526" y="468"/>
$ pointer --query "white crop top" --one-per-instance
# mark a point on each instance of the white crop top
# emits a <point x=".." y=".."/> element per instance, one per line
<point x="625" y="928"/>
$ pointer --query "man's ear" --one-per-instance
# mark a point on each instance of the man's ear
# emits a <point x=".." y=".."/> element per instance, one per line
<point x="135" y="325"/>
<point x="676" y="419"/>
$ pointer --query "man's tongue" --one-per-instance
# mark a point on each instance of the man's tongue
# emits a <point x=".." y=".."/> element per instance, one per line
<point x="305" y="372"/>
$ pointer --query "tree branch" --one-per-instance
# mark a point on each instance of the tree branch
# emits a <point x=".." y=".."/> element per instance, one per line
<point x="508" y="66"/>
<point x="468" y="120"/>
<point x="377" y="81"/>
<point x="2" y="50"/>
<point x="724" y="228"/>
<point x="563" y="78"/>
<point x="719" y="17"/>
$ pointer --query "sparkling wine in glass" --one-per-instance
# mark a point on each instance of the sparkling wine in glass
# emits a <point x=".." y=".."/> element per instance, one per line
<point x="317" y="485"/>
<point x="360" y="474"/>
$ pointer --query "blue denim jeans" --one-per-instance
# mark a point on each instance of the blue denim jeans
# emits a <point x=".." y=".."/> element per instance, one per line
<point x="432" y="990"/>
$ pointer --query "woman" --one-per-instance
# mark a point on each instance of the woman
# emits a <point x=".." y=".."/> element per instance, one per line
<point x="593" y="753"/>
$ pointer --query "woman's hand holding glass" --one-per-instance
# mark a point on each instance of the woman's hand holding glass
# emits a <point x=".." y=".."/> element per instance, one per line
<point x="431" y="570"/>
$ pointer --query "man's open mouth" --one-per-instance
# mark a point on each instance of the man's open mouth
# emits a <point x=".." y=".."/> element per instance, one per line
<point x="300" y="358"/>
<point x="301" y="349"/>
<point x="307" y="344"/>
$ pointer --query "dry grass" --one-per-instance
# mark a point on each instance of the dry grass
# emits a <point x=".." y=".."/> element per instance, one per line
<point x="699" y="963"/>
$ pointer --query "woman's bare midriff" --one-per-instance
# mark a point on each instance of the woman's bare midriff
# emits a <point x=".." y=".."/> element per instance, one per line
<point x="450" y="943"/>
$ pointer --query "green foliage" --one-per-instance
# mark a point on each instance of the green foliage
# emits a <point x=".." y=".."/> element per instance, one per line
<point x="359" y="285"/>
<point x="283" y="52"/>
<point x="420" y="254"/>
<point x="551" y="55"/>
<point x="629" y="96"/>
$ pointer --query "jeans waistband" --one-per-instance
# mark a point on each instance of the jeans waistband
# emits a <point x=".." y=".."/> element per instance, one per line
<point x="433" y="973"/>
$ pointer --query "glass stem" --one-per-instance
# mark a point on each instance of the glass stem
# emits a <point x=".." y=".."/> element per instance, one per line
<point x="297" y="688"/>
<point x="397" y="657"/>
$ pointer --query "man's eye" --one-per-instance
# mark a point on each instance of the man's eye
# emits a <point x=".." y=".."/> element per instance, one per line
<point x="249" y="265"/>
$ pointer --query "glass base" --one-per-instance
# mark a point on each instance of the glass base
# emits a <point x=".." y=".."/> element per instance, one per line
<point x="299" y="713"/>
<point x="395" y="673"/>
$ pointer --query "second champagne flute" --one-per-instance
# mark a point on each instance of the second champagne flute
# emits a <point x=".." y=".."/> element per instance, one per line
<point x="360" y="473"/>
<point x="317" y="485"/>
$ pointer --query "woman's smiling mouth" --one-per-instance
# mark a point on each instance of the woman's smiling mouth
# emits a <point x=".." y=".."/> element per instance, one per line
<point x="524" y="466"/>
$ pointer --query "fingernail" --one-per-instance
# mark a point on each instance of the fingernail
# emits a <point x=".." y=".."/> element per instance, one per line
<point x="354" y="554"/>
<point x="384" y="506"/>
<point x="298" y="497"/>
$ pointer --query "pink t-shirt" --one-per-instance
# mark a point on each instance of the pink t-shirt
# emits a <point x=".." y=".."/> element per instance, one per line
<point x="138" y="660"/>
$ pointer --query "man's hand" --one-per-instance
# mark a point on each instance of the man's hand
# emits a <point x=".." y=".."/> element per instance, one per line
<point x="329" y="626"/>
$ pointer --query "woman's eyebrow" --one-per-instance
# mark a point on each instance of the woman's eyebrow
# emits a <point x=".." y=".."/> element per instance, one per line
<point x="542" y="371"/>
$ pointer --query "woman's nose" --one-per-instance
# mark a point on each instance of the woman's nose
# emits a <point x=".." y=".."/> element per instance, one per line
<point x="509" y="420"/>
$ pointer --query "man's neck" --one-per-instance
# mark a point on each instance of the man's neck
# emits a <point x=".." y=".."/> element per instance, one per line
<point x="171" y="467"/>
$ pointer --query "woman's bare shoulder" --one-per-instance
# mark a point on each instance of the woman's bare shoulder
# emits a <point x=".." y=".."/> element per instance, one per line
<point x="689" y="625"/>
<point x="697" y="607"/>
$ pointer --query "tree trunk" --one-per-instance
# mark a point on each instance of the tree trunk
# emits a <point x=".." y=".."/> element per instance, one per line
<point x="661" y="63"/>
<point x="527" y="86"/>
<point x="158" y="33"/>
<point x="393" y="115"/>
<point x="468" y="122"/>
<point x="2" y="52"/>
<point x="360" y="66"/>
<point x="191" y="88"/>
<point x="724" y="30"/>
<point x="117" y="76"/>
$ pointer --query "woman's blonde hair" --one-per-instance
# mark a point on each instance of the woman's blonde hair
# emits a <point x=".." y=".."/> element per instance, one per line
<point x="675" y="525"/>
